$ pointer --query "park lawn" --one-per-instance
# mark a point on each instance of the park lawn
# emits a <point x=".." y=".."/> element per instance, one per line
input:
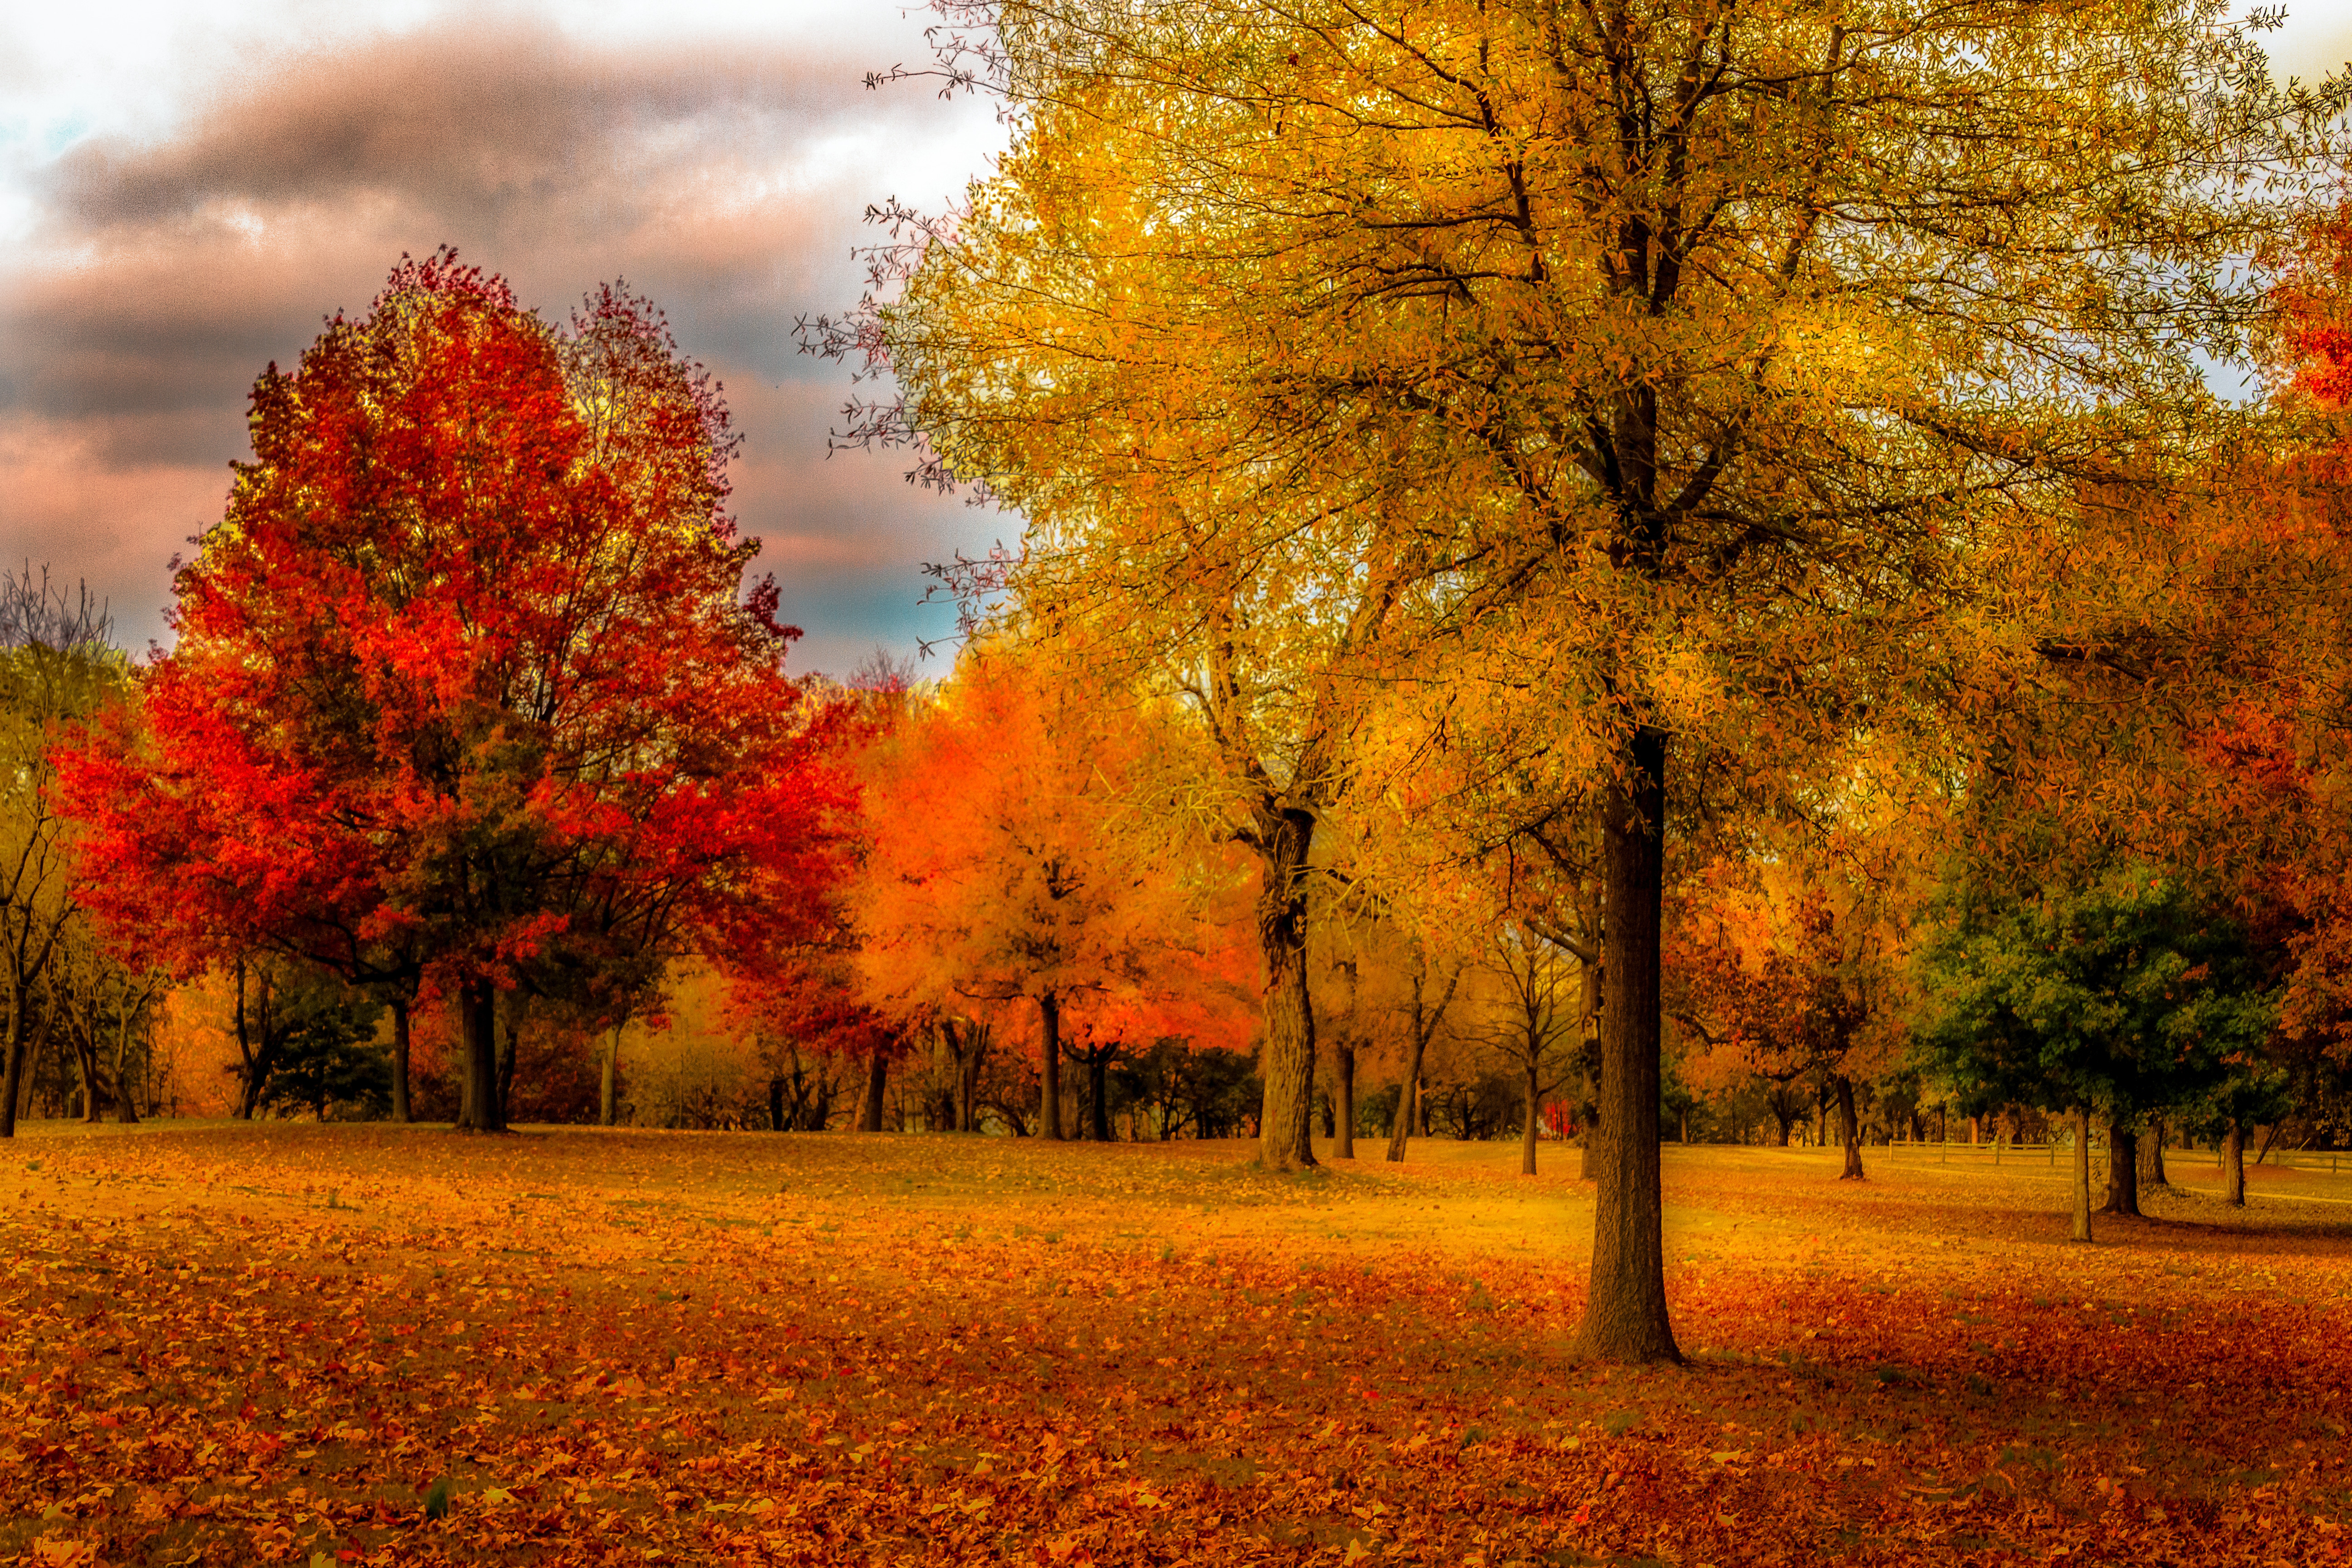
<point x="228" y="1344"/>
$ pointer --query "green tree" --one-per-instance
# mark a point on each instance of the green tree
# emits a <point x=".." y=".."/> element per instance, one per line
<point x="2130" y="994"/>
<point x="326" y="1060"/>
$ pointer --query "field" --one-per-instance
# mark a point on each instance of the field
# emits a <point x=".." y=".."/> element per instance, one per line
<point x="228" y="1345"/>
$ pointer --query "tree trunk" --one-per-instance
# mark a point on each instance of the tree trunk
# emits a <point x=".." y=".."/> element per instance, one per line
<point x="1049" y="1023"/>
<point x="14" y="1092"/>
<point x="399" y="1106"/>
<point x="478" y="1027"/>
<point x="1343" y="1145"/>
<point x="86" y="1058"/>
<point x="125" y="1111"/>
<point x="2123" y="1168"/>
<point x="878" y="1085"/>
<point x="2082" y="1173"/>
<point x="510" y="1012"/>
<point x="968" y="1084"/>
<point x="245" y="1092"/>
<point x="2151" y="1155"/>
<point x="1098" y="1093"/>
<point x="2233" y="1165"/>
<point x="1286" y="1141"/>
<point x="260" y="1059"/>
<point x="1849" y="1129"/>
<point x="776" y="1102"/>
<point x="1527" y="1133"/>
<point x="1408" y="1098"/>
<point x="1625" y="1313"/>
<point x="608" y="1086"/>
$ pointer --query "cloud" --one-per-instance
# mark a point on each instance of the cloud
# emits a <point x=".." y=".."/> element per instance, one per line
<point x="723" y="178"/>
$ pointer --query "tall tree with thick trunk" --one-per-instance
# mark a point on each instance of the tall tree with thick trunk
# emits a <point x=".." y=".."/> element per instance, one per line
<point x="1849" y="1127"/>
<point x="1584" y="376"/>
<point x="2122" y="1167"/>
<point x="1625" y="1309"/>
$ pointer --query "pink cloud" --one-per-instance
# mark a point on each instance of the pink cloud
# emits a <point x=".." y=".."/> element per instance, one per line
<point x="164" y="276"/>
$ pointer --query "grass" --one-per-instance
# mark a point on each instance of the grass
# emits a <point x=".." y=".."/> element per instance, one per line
<point x="332" y="1344"/>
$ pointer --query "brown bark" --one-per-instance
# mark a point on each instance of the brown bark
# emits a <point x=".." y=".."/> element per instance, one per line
<point x="1527" y="1133"/>
<point x="400" y="1104"/>
<point x="2082" y="1119"/>
<point x="1343" y="1145"/>
<point x="2123" y="1168"/>
<point x="1408" y="1101"/>
<point x="2151" y="1155"/>
<point x="2233" y="1165"/>
<point x="1625" y="1311"/>
<point x="1287" y="1060"/>
<point x="257" y="1060"/>
<point x="877" y="1086"/>
<point x="92" y="1093"/>
<point x="125" y="1111"/>
<point x="1049" y="1023"/>
<point x="1098" y="1093"/>
<point x="510" y="1016"/>
<point x="13" y="1092"/>
<point x="608" y="1084"/>
<point x="478" y="1027"/>
<point x="968" y="1062"/>
<point x="1849" y="1129"/>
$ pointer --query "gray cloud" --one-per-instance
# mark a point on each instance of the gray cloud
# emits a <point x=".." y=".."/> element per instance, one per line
<point x="724" y="181"/>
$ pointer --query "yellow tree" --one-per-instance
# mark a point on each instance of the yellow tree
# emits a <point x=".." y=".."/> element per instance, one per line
<point x="1649" y="370"/>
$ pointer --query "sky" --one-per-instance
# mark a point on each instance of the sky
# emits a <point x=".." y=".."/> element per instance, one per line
<point x="186" y="190"/>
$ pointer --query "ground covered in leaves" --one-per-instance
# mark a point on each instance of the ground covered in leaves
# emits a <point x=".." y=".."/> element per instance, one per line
<point x="350" y="1344"/>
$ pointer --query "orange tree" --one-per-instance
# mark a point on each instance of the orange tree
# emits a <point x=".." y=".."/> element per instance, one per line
<point x="467" y="690"/>
<point x="1713" y="374"/>
<point x="1791" y="969"/>
<point x="1008" y="862"/>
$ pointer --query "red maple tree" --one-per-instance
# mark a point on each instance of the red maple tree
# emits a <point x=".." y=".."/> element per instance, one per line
<point x="468" y="692"/>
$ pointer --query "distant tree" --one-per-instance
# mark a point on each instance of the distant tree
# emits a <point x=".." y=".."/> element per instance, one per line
<point x="1534" y="1017"/>
<point x="58" y="669"/>
<point x="2126" y="994"/>
<point x="324" y="1057"/>
<point x="1787" y="971"/>
<point x="1011" y="870"/>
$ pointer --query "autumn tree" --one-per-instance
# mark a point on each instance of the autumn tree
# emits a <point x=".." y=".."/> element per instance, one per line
<point x="1702" y="370"/>
<point x="1430" y="985"/>
<point x="58" y="669"/>
<point x="1792" y="966"/>
<point x="467" y="689"/>
<point x="1008" y="863"/>
<point x="1533" y="1017"/>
